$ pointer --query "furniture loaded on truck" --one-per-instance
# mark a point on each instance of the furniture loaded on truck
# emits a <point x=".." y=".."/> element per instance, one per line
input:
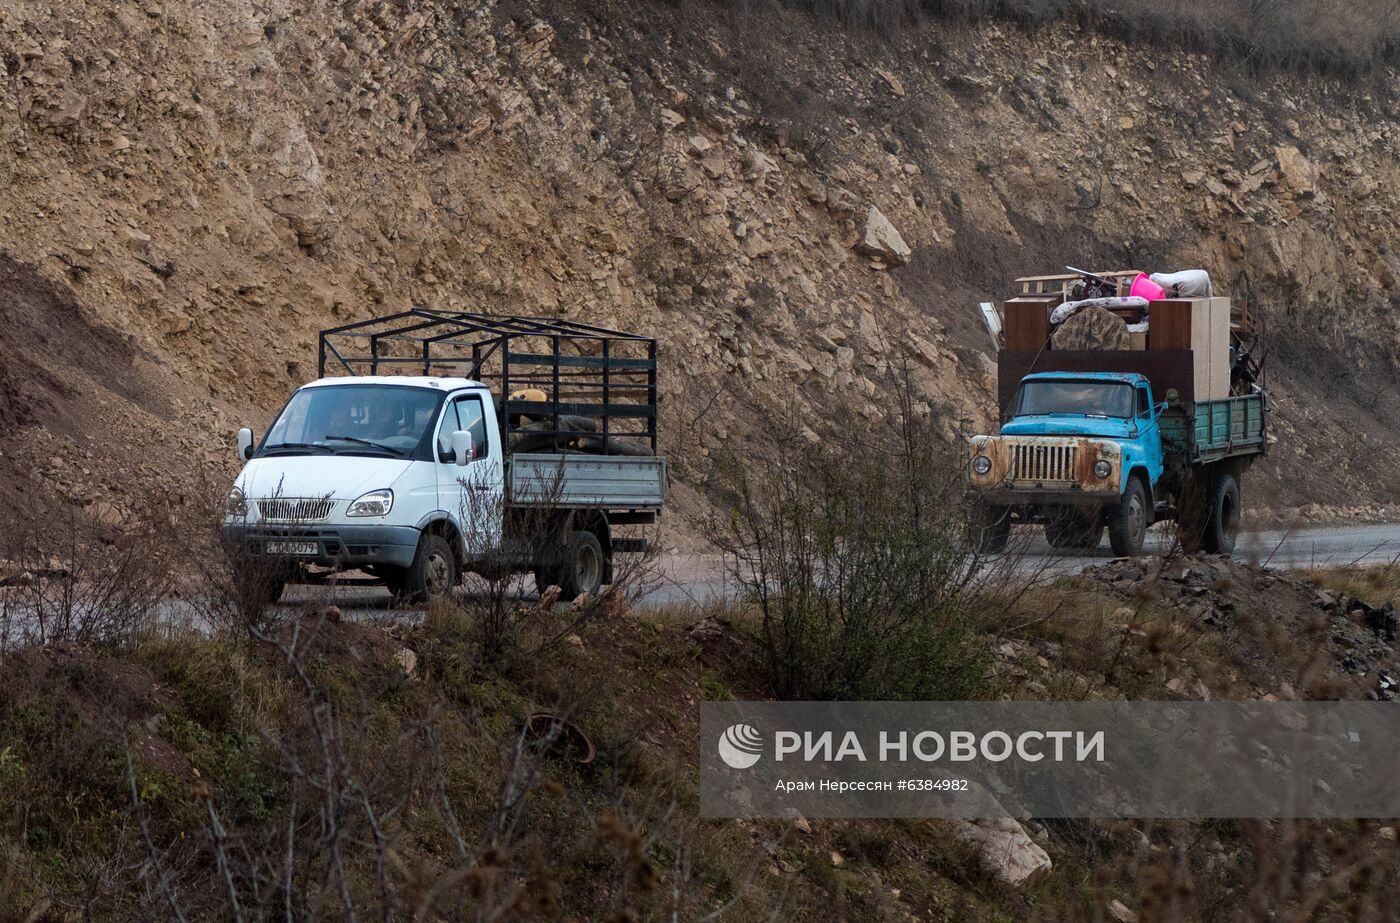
<point x="1156" y="417"/>
<point x="417" y="478"/>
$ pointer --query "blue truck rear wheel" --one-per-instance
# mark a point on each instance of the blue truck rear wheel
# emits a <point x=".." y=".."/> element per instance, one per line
<point x="1222" y="515"/>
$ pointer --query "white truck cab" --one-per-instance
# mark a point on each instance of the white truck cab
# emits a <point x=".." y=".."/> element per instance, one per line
<point x="412" y="480"/>
<point x="355" y="470"/>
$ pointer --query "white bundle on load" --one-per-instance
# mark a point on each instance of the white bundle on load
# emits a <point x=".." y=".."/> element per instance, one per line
<point x="1067" y="310"/>
<point x="1189" y="283"/>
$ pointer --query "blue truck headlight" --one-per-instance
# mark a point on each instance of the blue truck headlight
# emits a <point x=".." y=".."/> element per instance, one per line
<point x="374" y="503"/>
<point x="1102" y="469"/>
<point x="981" y="464"/>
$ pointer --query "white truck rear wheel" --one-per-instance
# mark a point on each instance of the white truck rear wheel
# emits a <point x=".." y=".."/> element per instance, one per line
<point x="583" y="567"/>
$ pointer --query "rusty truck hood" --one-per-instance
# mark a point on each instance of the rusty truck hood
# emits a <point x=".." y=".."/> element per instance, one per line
<point x="1067" y="425"/>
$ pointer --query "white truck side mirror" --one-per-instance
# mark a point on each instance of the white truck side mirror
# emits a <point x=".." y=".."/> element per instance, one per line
<point x="245" y="444"/>
<point x="462" y="446"/>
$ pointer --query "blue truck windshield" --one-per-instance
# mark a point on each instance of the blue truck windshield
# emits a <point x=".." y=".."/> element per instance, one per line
<point x="1092" y="398"/>
<point x="353" y="420"/>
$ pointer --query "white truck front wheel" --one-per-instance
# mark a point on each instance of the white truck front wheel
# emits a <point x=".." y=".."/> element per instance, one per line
<point x="433" y="573"/>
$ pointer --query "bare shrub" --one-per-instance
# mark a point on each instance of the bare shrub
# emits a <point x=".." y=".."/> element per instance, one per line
<point x="65" y="577"/>
<point x="238" y="582"/>
<point x="857" y="555"/>
<point x="514" y="552"/>
<point x="447" y="814"/>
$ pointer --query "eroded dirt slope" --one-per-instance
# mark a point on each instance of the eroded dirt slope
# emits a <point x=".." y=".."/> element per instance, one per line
<point x="192" y="190"/>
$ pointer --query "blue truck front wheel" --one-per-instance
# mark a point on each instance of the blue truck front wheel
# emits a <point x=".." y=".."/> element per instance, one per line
<point x="1127" y="523"/>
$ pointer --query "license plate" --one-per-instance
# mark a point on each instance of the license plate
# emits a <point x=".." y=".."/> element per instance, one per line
<point x="298" y="548"/>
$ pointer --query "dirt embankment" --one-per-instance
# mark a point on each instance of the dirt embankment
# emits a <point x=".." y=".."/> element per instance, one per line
<point x="1211" y="628"/>
<point x="81" y="384"/>
<point x="214" y="183"/>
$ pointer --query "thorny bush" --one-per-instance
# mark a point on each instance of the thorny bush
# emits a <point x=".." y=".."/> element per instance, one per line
<point x="67" y="576"/>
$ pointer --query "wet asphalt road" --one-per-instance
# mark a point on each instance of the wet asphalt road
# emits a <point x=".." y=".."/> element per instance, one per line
<point x="697" y="578"/>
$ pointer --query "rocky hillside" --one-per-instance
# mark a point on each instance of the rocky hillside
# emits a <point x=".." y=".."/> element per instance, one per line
<point x="192" y="190"/>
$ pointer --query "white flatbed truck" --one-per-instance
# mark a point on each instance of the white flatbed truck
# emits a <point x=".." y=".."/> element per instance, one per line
<point x="418" y="479"/>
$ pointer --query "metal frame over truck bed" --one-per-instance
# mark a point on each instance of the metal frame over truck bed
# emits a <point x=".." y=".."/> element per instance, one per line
<point x="583" y="370"/>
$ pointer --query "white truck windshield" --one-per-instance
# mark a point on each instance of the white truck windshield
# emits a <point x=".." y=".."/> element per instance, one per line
<point x="1090" y="398"/>
<point x="353" y="419"/>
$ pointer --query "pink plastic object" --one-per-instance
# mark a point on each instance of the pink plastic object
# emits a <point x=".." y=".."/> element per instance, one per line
<point x="1144" y="287"/>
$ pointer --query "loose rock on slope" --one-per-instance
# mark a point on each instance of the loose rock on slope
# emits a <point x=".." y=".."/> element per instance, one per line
<point x="882" y="240"/>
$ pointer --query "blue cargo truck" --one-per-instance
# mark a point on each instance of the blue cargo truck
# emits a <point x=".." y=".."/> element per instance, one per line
<point x="1120" y="439"/>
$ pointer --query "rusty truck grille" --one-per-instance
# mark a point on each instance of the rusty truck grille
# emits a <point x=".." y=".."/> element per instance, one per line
<point x="295" y="509"/>
<point x="1041" y="463"/>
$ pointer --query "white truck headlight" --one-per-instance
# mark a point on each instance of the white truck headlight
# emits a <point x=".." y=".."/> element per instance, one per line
<point x="237" y="503"/>
<point x="981" y="464"/>
<point x="374" y="503"/>
<point x="1102" y="469"/>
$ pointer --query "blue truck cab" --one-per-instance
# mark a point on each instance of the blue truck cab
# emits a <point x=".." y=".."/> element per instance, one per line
<point x="1079" y="452"/>
<point x="1116" y="406"/>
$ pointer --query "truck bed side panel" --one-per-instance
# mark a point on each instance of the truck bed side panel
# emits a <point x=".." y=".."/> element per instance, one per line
<point x="1228" y="427"/>
<point x="601" y="481"/>
<point x="1175" y="427"/>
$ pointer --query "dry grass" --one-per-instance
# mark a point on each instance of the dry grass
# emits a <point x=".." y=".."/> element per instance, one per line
<point x="434" y="756"/>
<point x="1376" y="586"/>
<point x="406" y="794"/>
<point x="175" y="774"/>
<point x="437" y="805"/>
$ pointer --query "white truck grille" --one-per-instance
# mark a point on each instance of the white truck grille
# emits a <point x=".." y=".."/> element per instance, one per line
<point x="1043" y="463"/>
<point x="295" y="509"/>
